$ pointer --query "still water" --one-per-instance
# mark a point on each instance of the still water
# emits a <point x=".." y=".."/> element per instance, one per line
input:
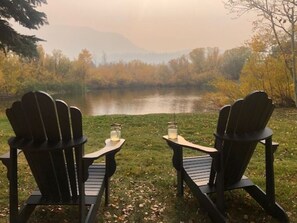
<point x="137" y="101"/>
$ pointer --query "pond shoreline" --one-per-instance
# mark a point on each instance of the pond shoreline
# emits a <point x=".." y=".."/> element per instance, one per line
<point x="130" y="101"/>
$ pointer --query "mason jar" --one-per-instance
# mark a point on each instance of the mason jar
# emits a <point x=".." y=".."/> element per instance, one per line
<point x="172" y="130"/>
<point x="115" y="132"/>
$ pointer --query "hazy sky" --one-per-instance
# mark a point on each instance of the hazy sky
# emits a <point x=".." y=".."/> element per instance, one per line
<point x="156" y="25"/>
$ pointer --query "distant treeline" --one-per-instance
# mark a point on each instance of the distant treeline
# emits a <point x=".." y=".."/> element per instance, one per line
<point x="55" y="72"/>
<point x="230" y="74"/>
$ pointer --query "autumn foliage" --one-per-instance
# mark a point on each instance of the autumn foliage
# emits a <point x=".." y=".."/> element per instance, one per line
<point x="229" y="75"/>
<point x="57" y="73"/>
<point x="265" y="69"/>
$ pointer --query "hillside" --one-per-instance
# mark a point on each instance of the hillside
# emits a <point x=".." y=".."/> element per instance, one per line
<point x="115" y="47"/>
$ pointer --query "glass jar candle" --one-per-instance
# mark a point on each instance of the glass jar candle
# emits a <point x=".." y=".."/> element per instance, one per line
<point x="115" y="132"/>
<point x="172" y="130"/>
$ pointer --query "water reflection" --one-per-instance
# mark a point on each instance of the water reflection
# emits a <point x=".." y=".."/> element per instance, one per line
<point x="133" y="101"/>
<point x="140" y="101"/>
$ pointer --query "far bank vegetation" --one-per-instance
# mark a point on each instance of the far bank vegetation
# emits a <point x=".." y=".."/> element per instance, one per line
<point x="229" y="74"/>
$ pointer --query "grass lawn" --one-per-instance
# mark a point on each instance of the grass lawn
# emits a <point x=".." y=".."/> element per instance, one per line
<point x="143" y="189"/>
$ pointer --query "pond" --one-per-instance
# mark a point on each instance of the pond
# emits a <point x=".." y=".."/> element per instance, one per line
<point x="135" y="101"/>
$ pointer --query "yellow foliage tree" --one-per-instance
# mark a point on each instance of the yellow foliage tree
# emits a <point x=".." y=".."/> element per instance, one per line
<point x="264" y="70"/>
<point x="270" y="75"/>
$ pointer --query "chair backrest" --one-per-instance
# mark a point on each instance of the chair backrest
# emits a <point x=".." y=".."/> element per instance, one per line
<point x="43" y="125"/>
<point x="244" y="117"/>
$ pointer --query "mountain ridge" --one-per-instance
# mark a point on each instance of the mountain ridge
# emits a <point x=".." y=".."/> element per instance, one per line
<point x="113" y="47"/>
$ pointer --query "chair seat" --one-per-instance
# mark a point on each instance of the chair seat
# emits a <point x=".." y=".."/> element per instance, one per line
<point x="93" y="187"/>
<point x="198" y="168"/>
<point x="95" y="183"/>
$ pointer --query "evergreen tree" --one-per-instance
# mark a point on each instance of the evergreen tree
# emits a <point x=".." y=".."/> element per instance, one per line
<point x="23" y="12"/>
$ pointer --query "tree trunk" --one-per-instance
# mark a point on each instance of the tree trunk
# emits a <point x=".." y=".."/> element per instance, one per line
<point x="294" y="62"/>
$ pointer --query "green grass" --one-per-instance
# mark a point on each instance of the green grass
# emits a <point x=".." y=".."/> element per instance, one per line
<point x="143" y="189"/>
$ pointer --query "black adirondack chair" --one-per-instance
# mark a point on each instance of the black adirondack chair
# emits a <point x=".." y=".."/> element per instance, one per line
<point x="240" y="127"/>
<point x="50" y="135"/>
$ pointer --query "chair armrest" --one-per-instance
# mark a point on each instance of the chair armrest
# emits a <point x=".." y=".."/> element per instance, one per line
<point x="182" y="142"/>
<point x="274" y="145"/>
<point x="110" y="146"/>
<point x="5" y="158"/>
<point x="109" y="151"/>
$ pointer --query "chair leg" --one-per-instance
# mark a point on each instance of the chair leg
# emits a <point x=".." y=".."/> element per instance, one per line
<point x="91" y="216"/>
<point x="213" y="212"/>
<point x="92" y="212"/>
<point x="220" y="186"/>
<point x="205" y="202"/>
<point x="26" y="212"/>
<point x="13" y="187"/>
<point x="210" y="207"/>
<point x="106" y="191"/>
<point x="180" y="183"/>
<point x="274" y="209"/>
<point x="81" y="187"/>
<point x="177" y="161"/>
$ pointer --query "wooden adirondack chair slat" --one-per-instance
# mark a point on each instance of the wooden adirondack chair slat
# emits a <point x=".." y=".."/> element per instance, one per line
<point x="49" y="117"/>
<point x="64" y="120"/>
<point x="32" y="113"/>
<point x="50" y="135"/>
<point x="240" y="127"/>
<point x="16" y="116"/>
